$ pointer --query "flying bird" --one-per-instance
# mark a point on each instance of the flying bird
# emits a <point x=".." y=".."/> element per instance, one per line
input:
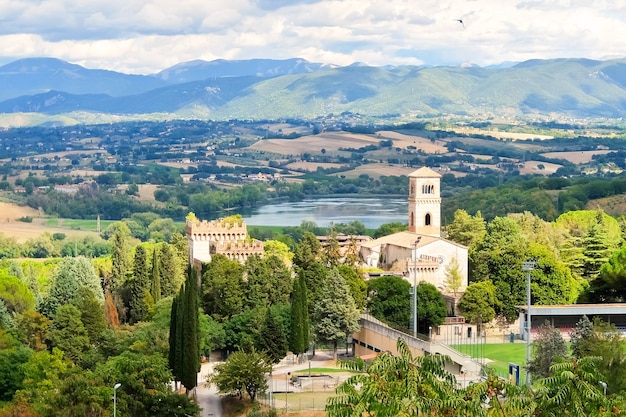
<point x="461" y="22"/>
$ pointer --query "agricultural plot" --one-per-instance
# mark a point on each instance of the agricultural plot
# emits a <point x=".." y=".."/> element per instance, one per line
<point x="578" y="157"/>
<point x="403" y="141"/>
<point x="377" y="170"/>
<point x="331" y="141"/>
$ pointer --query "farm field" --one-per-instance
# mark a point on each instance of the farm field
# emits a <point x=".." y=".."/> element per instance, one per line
<point x="10" y="226"/>
<point x="376" y="170"/>
<point x="401" y="140"/>
<point x="330" y="141"/>
<point x="578" y="157"/>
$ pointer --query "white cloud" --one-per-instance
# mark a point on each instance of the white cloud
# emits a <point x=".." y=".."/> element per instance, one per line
<point x="141" y="36"/>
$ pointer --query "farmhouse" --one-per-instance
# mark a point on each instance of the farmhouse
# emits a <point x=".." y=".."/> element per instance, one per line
<point x="420" y="254"/>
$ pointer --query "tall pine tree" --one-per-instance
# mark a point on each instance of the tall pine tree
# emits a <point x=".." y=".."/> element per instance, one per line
<point x="184" y="353"/>
<point x="155" y="289"/>
<point x="139" y="287"/>
<point x="299" y="341"/>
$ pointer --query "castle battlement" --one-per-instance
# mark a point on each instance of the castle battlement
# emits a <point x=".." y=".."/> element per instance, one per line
<point x="226" y="236"/>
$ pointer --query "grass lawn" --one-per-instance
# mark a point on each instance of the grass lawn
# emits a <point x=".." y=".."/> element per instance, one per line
<point x="78" y="224"/>
<point x="500" y="355"/>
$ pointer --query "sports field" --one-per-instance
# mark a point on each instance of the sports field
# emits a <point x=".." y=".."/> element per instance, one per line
<point x="497" y="355"/>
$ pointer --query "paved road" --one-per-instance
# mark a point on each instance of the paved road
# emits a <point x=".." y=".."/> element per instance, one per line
<point x="207" y="396"/>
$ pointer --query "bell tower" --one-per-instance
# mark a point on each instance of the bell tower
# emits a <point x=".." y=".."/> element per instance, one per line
<point x="425" y="202"/>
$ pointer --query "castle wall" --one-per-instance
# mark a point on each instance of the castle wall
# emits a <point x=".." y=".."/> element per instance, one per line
<point x="220" y="236"/>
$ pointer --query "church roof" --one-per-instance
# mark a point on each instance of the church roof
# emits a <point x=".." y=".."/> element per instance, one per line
<point x="406" y="239"/>
<point x="424" y="172"/>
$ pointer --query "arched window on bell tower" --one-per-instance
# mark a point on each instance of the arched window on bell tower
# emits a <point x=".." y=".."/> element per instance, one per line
<point x="412" y="219"/>
<point x="427" y="219"/>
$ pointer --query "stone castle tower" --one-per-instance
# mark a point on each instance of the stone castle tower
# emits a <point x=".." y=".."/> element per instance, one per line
<point x="425" y="202"/>
<point x="228" y="237"/>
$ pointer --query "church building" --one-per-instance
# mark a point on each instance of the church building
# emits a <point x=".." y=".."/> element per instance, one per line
<point x="420" y="253"/>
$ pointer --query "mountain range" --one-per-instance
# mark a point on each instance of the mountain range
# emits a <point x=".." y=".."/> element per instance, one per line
<point x="274" y="89"/>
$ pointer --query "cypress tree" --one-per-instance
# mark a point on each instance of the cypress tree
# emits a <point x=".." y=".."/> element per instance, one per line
<point x="139" y="287"/>
<point x="299" y="341"/>
<point x="175" y="339"/>
<point x="156" y="277"/>
<point x="190" y="331"/>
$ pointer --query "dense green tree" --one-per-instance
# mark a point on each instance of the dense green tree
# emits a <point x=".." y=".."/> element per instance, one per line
<point x="120" y="254"/>
<point x="551" y="281"/>
<point x="272" y="338"/>
<point x="389" y="229"/>
<point x="596" y="252"/>
<point x="145" y="379"/>
<point x="401" y="385"/>
<point x="71" y="274"/>
<point x="42" y="375"/>
<point x="335" y="315"/>
<point x="15" y="294"/>
<point x="68" y="333"/>
<point x="573" y="389"/>
<point x="299" y="336"/>
<point x="356" y="284"/>
<point x="606" y="342"/>
<point x="498" y="257"/>
<point x="242" y="330"/>
<point x="478" y="303"/>
<point x="222" y="288"/>
<point x="390" y="300"/>
<point x="431" y="307"/>
<point x="612" y="275"/>
<point x="280" y="249"/>
<point x="6" y="318"/>
<point x="16" y="270"/>
<point x="268" y="281"/>
<point x="32" y="329"/>
<point x="11" y="372"/>
<point x="91" y="314"/>
<point x="548" y="347"/>
<point x="466" y="229"/>
<point x="212" y="334"/>
<point x="243" y="372"/>
<point x="308" y="251"/>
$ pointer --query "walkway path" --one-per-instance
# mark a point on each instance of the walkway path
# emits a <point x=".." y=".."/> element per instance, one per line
<point x="206" y="395"/>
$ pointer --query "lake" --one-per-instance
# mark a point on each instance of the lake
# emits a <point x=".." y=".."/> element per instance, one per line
<point x="371" y="211"/>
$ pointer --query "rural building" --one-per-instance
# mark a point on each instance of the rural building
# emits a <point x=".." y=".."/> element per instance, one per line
<point x="228" y="237"/>
<point x="420" y="253"/>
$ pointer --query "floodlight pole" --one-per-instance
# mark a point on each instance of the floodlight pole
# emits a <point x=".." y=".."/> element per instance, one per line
<point x="115" y="387"/>
<point x="528" y="266"/>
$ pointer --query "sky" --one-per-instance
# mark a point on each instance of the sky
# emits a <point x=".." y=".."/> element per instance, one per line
<point x="145" y="37"/>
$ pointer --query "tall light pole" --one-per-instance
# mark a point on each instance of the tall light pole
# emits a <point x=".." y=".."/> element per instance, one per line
<point x="286" y="388"/>
<point x="115" y="387"/>
<point x="528" y="266"/>
<point x="415" y="286"/>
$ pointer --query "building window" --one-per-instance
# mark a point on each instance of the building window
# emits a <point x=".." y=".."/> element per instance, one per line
<point x="428" y="189"/>
<point x="427" y="220"/>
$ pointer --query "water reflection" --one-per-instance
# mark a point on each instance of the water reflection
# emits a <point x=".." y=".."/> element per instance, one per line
<point x="372" y="212"/>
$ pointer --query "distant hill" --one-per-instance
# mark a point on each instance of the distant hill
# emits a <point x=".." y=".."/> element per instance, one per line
<point x="275" y="89"/>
